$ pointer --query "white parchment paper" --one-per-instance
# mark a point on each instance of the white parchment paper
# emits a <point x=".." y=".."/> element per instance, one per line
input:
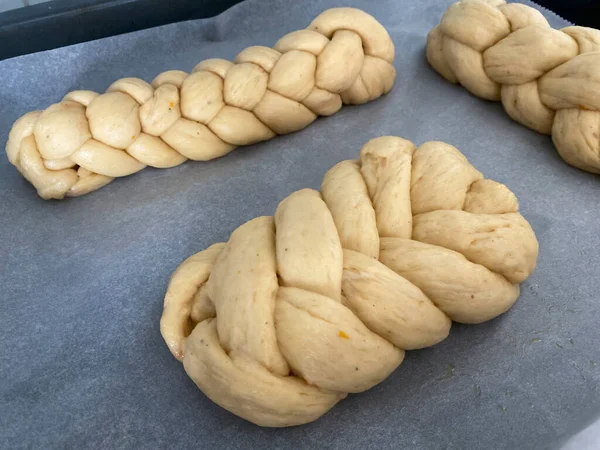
<point x="82" y="362"/>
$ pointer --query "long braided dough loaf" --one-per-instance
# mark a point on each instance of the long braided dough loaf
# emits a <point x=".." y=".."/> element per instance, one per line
<point x="547" y="80"/>
<point x="295" y="311"/>
<point x="85" y="141"/>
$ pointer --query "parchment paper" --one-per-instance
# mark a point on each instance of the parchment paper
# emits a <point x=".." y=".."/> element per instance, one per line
<point x="82" y="362"/>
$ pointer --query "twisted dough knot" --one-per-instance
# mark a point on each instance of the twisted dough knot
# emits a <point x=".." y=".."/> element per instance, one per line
<point x="82" y="143"/>
<point x="546" y="79"/>
<point x="297" y="310"/>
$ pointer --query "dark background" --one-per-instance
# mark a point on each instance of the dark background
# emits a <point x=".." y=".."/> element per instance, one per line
<point x="64" y="22"/>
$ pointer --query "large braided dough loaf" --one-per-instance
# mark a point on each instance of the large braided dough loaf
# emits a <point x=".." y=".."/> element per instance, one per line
<point x="85" y="141"/>
<point x="295" y="311"/>
<point x="547" y="80"/>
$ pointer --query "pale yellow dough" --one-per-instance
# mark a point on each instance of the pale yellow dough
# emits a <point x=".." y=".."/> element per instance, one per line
<point x="296" y="310"/>
<point x="546" y="79"/>
<point x="82" y="143"/>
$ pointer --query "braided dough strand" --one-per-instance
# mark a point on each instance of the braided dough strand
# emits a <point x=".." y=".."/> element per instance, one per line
<point x="323" y="299"/>
<point x="546" y="79"/>
<point x="82" y="143"/>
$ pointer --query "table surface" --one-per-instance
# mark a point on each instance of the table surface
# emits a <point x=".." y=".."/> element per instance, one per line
<point x="82" y="362"/>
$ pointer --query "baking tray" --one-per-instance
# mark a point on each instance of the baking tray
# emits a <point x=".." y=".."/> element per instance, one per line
<point x="82" y="362"/>
<point x="56" y="23"/>
<point x="44" y="26"/>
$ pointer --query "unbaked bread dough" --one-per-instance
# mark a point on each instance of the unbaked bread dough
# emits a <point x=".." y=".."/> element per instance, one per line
<point x="295" y="311"/>
<point x="547" y="79"/>
<point x="85" y="141"/>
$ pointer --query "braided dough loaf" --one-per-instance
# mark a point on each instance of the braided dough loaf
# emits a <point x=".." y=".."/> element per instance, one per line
<point x="82" y="143"/>
<point x="297" y="310"/>
<point x="547" y="80"/>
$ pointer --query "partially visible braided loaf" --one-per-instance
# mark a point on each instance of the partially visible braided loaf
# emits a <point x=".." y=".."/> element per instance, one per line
<point x="85" y="141"/>
<point x="295" y="311"/>
<point x="547" y="80"/>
